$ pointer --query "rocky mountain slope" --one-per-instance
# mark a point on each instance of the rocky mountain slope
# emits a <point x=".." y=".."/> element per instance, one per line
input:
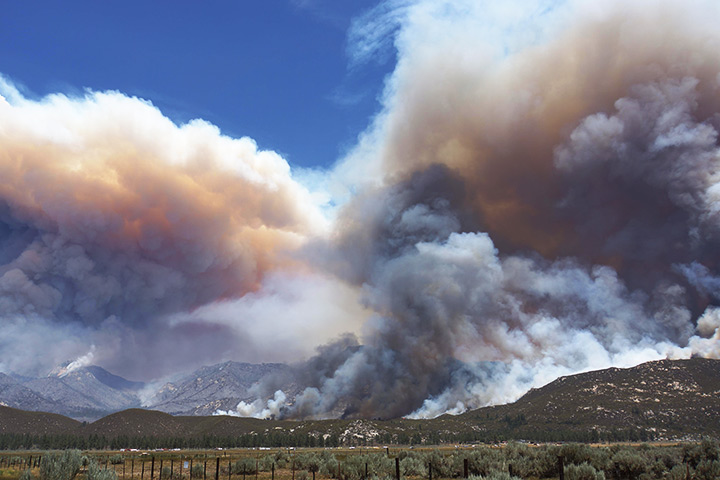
<point x="14" y="394"/>
<point x="664" y="399"/>
<point x="218" y="387"/>
<point x="89" y="393"/>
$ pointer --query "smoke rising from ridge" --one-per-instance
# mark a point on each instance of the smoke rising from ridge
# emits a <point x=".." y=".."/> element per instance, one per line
<point x="540" y="199"/>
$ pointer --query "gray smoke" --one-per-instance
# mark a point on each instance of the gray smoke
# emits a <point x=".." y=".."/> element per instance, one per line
<point x="547" y="203"/>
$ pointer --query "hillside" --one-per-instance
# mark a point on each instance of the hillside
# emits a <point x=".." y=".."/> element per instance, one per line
<point x="655" y="400"/>
<point x="17" y="421"/>
<point x="217" y="387"/>
<point x="667" y="398"/>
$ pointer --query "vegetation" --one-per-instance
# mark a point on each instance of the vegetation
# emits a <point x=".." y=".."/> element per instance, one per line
<point x="699" y="460"/>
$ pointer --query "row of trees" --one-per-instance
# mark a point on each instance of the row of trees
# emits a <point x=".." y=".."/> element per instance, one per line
<point x="9" y="441"/>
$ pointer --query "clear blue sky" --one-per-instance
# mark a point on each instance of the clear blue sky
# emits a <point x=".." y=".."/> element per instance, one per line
<point x="274" y="70"/>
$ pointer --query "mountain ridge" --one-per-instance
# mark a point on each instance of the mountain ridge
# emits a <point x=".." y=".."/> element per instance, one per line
<point x="666" y="399"/>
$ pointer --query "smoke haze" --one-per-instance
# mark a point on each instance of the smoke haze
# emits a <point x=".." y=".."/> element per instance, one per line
<point x="538" y="196"/>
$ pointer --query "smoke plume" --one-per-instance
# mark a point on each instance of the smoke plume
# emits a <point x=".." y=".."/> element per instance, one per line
<point x="538" y="197"/>
<point x="112" y="219"/>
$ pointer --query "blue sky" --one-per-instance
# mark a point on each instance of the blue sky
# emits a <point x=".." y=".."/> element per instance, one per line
<point x="274" y="70"/>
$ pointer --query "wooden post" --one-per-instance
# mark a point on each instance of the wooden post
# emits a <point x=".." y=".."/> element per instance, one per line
<point x="172" y="467"/>
<point x="161" y="460"/>
<point x="465" y="468"/>
<point x="365" y="471"/>
<point x="152" y="468"/>
<point x="510" y="470"/>
<point x="229" y="468"/>
<point x="217" y="469"/>
<point x="430" y="470"/>
<point x="123" y="474"/>
<point x="257" y="468"/>
<point x="272" y="472"/>
<point x="132" y="467"/>
<point x="205" y="469"/>
<point x="142" y="471"/>
<point x="561" y="467"/>
<point x="397" y="468"/>
<point x="293" y="470"/>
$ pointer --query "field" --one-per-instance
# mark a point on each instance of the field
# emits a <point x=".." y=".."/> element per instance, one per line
<point x="514" y="460"/>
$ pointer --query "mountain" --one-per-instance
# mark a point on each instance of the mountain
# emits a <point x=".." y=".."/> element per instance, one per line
<point x="91" y="392"/>
<point x="656" y="400"/>
<point x="219" y="387"/>
<point x="14" y="394"/>
<point x="664" y="399"/>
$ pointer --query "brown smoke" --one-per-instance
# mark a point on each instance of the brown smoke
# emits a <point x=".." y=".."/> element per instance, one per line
<point x="111" y="213"/>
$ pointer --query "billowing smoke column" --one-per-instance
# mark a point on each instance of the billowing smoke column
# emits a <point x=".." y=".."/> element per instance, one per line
<point x="541" y="198"/>
<point x="112" y="219"/>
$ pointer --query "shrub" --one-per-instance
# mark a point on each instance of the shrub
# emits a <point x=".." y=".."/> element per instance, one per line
<point x="301" y="475"/>
<point x="26" y="475"/>
<point x="63" y="466"/>
<point x="96" y="472"/>
<point x="413" y="467"/>
<point x="629" y="464"/>
<point x="495" y="475"/>
<point x="116" y="459"/>
<point x="708" y="470"/>
<point x="197" y="471"/>
<point x="266" y="463"/>
<point x="584" y="471"/>
<point x="244" y="466"/>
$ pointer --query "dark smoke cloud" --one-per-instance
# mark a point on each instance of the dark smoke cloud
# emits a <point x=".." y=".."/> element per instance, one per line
<point x="533" y="206"/>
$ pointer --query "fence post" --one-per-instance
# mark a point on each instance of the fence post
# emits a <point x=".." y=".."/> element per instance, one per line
<point x="152" y="468"/>
<point x="229" y="468"/>
<point x="205" y="469"/>
<point x="160" y="476"/>
<point x="430" y="470"/>
<point x="293" y="470"/>
<point x="123" y="474"/>
<point x="272" y="472"/>
<point x="397" y="468"/>
<point x="365" y="471"/>
<point x="142" y="471"/>
<point x="465" y="468"/>
<point x="172" y="467"/>
<point x="561" y="467"/>
<point x="217" y="469"/>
